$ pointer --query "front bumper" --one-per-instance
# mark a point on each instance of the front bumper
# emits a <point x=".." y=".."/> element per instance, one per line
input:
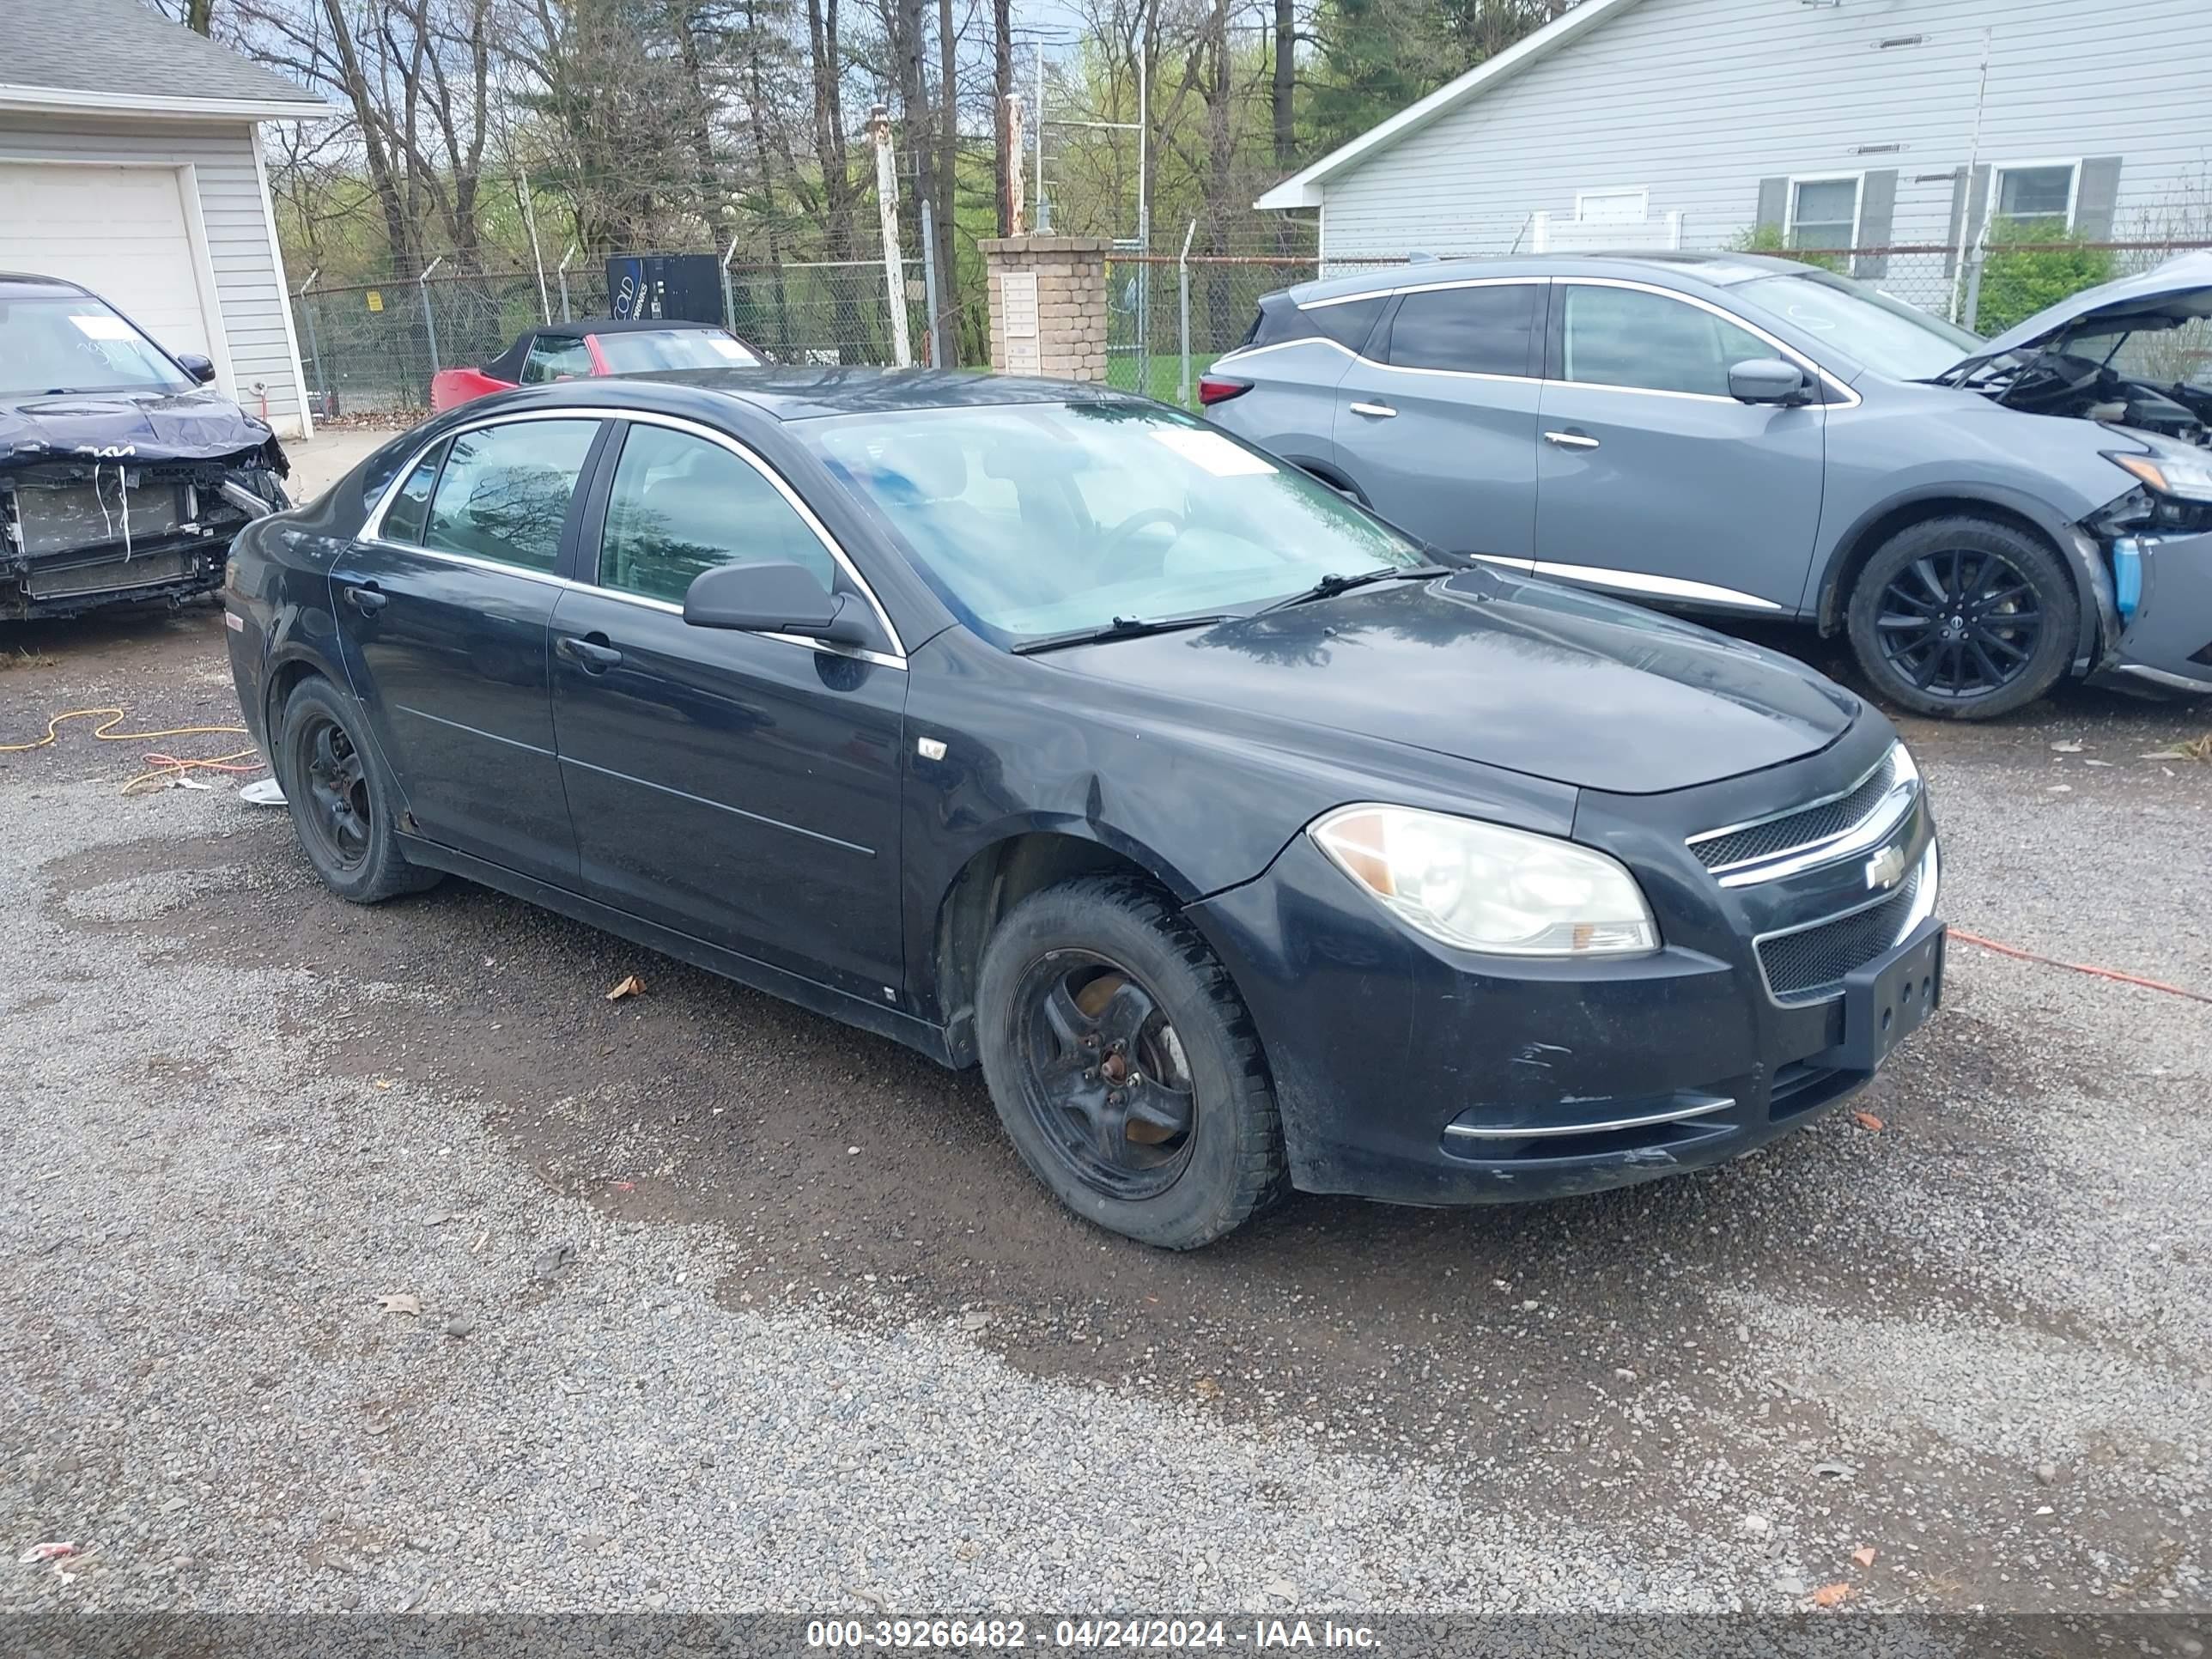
<point x="2165" y="639"/>
<point x="1409" y="1072"/>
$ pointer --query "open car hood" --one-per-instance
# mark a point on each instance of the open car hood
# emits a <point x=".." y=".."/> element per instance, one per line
<point x="2179" y="291"/>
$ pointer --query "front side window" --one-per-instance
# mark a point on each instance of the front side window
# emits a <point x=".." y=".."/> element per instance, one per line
<point x="505" y="491"/>
<point x="1036" y="520"/>
<point x="552" y="358"/>
<point x="680" y="505"/>
<point x="1824" y="213"/>
<point x="1627" y="337"/>
<point x="2039" y="198"/>
<point x="410" y="508"/>
<point x="75" y="344"/>
<point x="1479" y="330"/>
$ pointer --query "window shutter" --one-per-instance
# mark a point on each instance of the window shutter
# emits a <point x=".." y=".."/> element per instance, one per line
<point x="2097" y="198"/>
<point x="1877" y="212"/>
<point x="1969" y="198"/>
<point x="1774" y="203"/>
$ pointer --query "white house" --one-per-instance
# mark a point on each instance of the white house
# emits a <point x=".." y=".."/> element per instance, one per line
<point x="1862" y="124"/>
<point x="130" y="162"/>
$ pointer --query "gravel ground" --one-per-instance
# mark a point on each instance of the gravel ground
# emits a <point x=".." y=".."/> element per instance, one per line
<point x="706" y="1303"/>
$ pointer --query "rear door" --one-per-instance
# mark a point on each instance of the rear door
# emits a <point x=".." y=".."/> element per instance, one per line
<point x="1437" y="424"/>
<point x="742" y="788"/>
<point x="443" y="607"/>
<point x="1653" y="482"/>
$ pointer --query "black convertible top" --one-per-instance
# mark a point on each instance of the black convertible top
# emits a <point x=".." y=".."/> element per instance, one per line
<point x="507" y="366"/>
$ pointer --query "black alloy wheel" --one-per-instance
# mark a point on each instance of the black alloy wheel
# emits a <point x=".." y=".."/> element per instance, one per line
<point x="1104" y="1074"/>
<point x="336" y="813"/>
<point x="1960" y="624"/>
<point x="1964" y="617"/>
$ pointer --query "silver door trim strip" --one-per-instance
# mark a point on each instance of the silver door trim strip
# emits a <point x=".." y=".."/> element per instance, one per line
<point x="372" y="528"/>
<point x="473" y="731"/>
<point x="1701" y="1108"/>
<point x="1637" y="581"/>
<point x="723" y="806"/>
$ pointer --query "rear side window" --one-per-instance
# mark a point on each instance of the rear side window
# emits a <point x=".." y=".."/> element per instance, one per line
<point x="1476" y="331"/>
<point x="552" y="357"/>
<point x="504" y="493"/>
<point x="403" y="519"/>
<point x="1348" y="322"/>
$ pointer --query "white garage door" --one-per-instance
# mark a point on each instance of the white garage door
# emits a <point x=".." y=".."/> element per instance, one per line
<point x="119" y="231"/>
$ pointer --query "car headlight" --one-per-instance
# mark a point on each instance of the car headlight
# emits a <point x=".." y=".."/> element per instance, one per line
<point x="1483" y="887"/>
<point x="2184" y="478"/>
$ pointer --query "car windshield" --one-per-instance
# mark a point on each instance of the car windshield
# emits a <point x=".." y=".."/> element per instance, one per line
<point x="1888" y="336"/>
<point x="639" y="351"/>
<point x="73" y="342"/>
<point x="1032" y="520"/>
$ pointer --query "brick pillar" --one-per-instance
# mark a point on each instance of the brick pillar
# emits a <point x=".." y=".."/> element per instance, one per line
<point x="1047" y="306"/>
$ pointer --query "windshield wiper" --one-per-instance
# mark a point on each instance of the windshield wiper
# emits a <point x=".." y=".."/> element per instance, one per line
<point x="1329" y="586"/>
<point x="1121" y="628"/>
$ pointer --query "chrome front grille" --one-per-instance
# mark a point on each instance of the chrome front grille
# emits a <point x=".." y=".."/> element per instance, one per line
<point x="1800" y="827"/>
<point x="1809" y="963"/>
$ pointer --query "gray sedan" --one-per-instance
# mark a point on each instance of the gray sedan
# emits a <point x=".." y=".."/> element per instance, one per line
<point x="1742" y="436"/>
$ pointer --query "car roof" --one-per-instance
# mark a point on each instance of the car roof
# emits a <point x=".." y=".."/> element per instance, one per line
<point x="24" y="283"/>
<point x="794" y="392"/>
<point x="1665" y="265"/>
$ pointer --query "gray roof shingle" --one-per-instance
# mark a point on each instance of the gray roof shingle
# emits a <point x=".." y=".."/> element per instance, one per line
<point x="124" y="48"/>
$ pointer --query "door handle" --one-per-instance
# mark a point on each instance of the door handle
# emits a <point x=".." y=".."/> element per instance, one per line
<point x="593" y="654"/>
<point x="1570" y="439"/>
<point x="1381" y="411"/>
<point x="368" y="599"/>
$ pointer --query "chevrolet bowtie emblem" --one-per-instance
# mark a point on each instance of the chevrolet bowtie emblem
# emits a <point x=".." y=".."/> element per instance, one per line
<point x="1884" y="869"/>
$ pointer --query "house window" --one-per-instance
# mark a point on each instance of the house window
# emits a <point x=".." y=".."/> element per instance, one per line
<point x="1824" y="213"/>
<point x="2040" y="196"/>
<point x="1614" y="207"/>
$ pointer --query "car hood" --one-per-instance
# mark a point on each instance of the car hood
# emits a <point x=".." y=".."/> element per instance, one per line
<point x="2179" y="291"/>
<point x="1503" y="671"/>
<point x="145" y="426"/>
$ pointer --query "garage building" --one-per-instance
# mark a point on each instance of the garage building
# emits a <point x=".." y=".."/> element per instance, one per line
<point x="130" y="162"/>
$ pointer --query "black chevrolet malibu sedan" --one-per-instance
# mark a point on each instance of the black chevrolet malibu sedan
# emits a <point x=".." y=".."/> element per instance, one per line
<point x="1244" y="842"/>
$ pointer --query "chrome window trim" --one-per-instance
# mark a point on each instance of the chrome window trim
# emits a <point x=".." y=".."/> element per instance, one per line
<point x="372" y="526"/>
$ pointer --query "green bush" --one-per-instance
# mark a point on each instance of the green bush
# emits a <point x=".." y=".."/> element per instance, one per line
<point x="1770" y="238"/>
<point x="2017" y="281"/>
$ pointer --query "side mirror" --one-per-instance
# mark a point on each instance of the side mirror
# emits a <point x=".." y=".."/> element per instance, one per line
<point x="1769" y="380"/>
<point x="771" y="598"/>
<point x="200" y="368"/>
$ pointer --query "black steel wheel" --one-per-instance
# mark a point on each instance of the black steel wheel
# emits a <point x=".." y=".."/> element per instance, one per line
<point x="1965" y="617"/>
<point x="1104" y="1074"/>
<point x="1124" y="1065"/>
<point x="340" y="799"/>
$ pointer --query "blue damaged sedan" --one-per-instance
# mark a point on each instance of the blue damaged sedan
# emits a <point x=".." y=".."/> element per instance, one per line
<point x="1244" y="843"/>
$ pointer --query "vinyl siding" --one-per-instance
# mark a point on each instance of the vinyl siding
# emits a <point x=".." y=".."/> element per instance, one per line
<point x="247" y="290"/>
<point x="1700" y="100"/>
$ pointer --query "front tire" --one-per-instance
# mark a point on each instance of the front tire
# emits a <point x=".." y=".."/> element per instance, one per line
<point x="341" y="801"/>
<point x="1963" y="617"/>
<point x="1125" y="1067"/>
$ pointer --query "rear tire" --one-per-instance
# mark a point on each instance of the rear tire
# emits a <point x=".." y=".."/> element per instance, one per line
<point x="342" y="803"/>
<point x="1963" y="617"/>
<point x="1125" y="1067"/>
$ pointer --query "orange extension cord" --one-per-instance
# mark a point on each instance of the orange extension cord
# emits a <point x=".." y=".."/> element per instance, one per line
<point x="161" y="767"/>
<point x="2080" y="967"/>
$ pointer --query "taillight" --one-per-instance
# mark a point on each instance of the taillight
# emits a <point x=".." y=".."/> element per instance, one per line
<point x="1211" y="390"/>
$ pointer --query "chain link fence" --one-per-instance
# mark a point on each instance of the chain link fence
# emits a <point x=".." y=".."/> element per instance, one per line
<point x="371" y="348"/>
<point x="1171" y="315"/>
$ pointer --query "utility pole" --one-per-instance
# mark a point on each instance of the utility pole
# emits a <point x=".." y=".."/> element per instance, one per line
<point x="879" y="128"/>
